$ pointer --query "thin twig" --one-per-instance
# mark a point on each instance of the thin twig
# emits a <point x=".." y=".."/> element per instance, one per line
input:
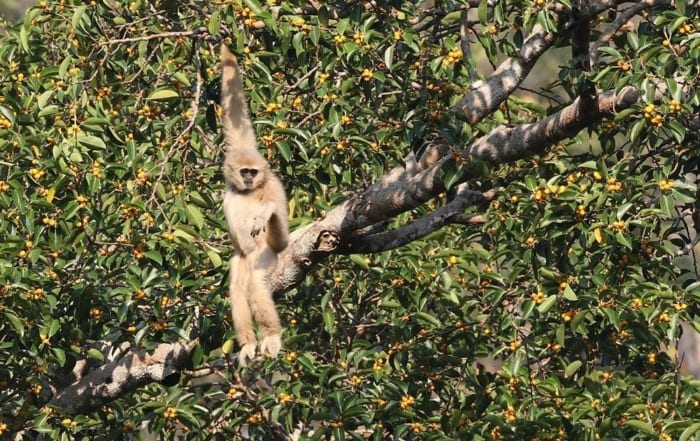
<point x="153" y="37"/>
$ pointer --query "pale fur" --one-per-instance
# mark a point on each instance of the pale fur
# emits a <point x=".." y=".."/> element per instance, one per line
<point x="256" y="210"/>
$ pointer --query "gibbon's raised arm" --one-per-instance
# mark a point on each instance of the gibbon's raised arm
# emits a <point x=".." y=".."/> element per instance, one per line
<point x="238" y="129"/>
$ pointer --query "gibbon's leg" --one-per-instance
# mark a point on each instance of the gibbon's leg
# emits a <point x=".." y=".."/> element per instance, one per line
<point x="239" y="269"/>
<point x="262" y="304"/>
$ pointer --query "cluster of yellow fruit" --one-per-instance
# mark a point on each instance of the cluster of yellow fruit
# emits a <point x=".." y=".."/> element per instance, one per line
<point x="96" y="170"/>
<point x="625" y="66"/>
<point x="416" y="427"/>
<point x="148" y="112"/>
<point x="452" y="57"/>
<point x="407" y="402"/>
<point x="170" y="412"/>
<point x="301" y="24"/>
<point x="248" y="16"/>
<point x="255" y="419"/>
<point x="613" y="185"/>
<point x="537" y="297"/>
<point x="551" y="190"/>
<point x="652" y="117"/>
<point x="35" y="294"/>
<point x="685" y="28"/>
<point x="619" y="225"/>
<point x="665" y="185"/>
<point x="37" y="173"/>
<point x="272" y="107"/>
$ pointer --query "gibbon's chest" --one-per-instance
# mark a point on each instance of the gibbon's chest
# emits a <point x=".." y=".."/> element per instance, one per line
<point x="243" y="200"/>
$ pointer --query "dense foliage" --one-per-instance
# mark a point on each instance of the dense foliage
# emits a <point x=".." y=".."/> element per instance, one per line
<point x="112" y="230"/>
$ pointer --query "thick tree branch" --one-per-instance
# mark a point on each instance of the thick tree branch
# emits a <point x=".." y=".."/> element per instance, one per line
<point x="488" y="95"/>
<point x="506" y="144"/>
<point x="123" y="374"/>
<point x="405" y="187"/>
<point x="445" y="215"/>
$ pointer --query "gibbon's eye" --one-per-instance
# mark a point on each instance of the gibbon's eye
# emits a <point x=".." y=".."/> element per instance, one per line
<point x="249" y="172"/>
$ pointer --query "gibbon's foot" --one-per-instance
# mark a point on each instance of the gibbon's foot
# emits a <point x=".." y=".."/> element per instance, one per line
<point x="247" y="352"/>
<point x="271" y="344"/>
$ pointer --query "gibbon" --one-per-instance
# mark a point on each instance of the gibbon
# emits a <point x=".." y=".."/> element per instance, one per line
<point x="256" y="209"/>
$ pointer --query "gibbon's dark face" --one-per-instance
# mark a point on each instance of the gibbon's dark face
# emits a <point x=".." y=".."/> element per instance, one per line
<point x="245" y="171"/>
<point x="248" y="175"/>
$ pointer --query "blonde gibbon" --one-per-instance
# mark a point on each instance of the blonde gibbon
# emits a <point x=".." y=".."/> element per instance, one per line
<point x="256" y="210"/>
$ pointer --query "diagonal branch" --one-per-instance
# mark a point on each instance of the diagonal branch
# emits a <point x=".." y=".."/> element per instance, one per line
<point x="445" y="215"/>
<point x="506" y="144"/>
<point x="123" y="374"/>
<point x="488" y="95"/>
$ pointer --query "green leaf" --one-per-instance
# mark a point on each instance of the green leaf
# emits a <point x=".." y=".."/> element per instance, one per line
<point x="359" y="260"/>
<point x="689" y="431"/>
<point x="48" y="111"/>
<point x="677" y="130"/>
<point x="569" y="293"/>
<point x="92" y="141"/>
<point x="483" y="12"/>
<point x="668" y="206"/>
<point x="194" y="215"/>
<point x="163" y="94"/>
<point x="425" y="317"/>
<point x="637" y="129"/>
<point x="214" y="23"/>
<point x="54" y="326"/>
<point x="215" y="258"/>
<point x="623" y="240"/>
<point x="389" y="57"/>
<point x="572" y="368"/>
<point x="44" y="99"/>
<point x="323" y="16"/>
<point x="284" y="150"/>
<point x="547" y="304"/>
<point x="609" y="50"/>
<point x="641" y="426"/>
<point x="154" y="256"/>
<point x="451" y="174"/>
<point x="60" y="356"/>
<point x="78" y="16"/>
<point x="16" y="323"/>
<point x="624" y="114"/>
<point x="24" y="39"/>
<point x="95" y="354"/>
